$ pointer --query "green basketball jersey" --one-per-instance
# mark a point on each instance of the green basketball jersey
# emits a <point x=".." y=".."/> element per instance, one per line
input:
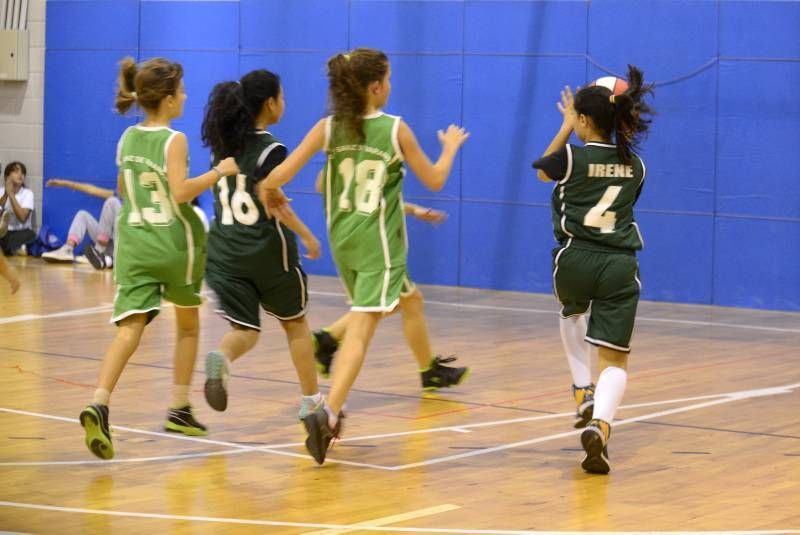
<point x="242" y="239"/>
<point x="158" y="239"/>
<point x="363" y="195"/>
<point x="594" y="202"/>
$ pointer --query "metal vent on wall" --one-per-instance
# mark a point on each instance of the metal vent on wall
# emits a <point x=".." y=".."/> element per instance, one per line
<point x="14" y="14"/>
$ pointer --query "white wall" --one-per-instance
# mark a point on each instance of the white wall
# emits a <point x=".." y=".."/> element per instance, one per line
<point x="22" y="110"/>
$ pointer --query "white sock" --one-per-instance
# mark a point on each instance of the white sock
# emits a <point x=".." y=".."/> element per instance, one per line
<point x="333" y="418"/>
<point x="316" y="398"/>
<point x="180" y="396"/>
<point x="609" y="391"/>
<point x="101" y="396"/>
<point x="573" y="330"/>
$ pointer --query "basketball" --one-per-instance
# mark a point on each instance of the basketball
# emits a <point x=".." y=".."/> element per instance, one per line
<point x="612" y="83"/>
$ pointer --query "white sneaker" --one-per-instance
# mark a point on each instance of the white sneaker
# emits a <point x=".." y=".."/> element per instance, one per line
<point x="82" y="260"/>
<point x="62" y="254"/>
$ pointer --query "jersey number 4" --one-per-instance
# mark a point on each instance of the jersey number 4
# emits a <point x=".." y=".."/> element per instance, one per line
<point x="599" y="216"/>
<point x="160" y="210"/>
<point x="239" y="206"/>
<point x="368" y="176"/>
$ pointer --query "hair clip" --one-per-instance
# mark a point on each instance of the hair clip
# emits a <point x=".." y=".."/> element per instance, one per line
<point x="612" y="100"/>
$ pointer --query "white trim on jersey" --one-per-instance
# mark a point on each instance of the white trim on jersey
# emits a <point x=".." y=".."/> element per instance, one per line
<point x="603" y="343"/>
<point x="119" y="146"/>
<point x="284" y="252"/>
<point x="395" y="140"/>
<point x="384" y="309"/>
<point x="151" y="128"/>
<point x="638" y="232"/>
<point x="374" y="115"/>
<point x="403" y="211"/>
<point x="561" y="196"/>
<point x="555" y="270"/>
<point x="328" y="132"/>
<point x="166" y="148"/>
<point x="187" y="228"/>
<point x="568" y="173"/>
<point x="597" y="144"/>
<point x="225" y="315"/>
<point x="387" y="259"/>
<point x="128" y="313"/>
<point x="265" y="154"/>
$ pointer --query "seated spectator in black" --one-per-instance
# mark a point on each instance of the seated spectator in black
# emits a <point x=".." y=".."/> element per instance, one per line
<point x="16" y="211"/>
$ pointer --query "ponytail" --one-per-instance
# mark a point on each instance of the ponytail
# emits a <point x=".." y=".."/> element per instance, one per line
<point x="126" y="94"/>
<point x="349" y="76"/>
<point x="232" y="110"/>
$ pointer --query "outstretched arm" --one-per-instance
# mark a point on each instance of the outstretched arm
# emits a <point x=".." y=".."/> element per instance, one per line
<point x="567" y="109"/>
<point x="433" y="176"/>
<point x="424" y="214"/>
<point x="84" y="187"/>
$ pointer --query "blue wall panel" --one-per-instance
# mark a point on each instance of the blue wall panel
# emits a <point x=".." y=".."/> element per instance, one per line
<point x="433" y="251"/>
<point x="757" y="263"/>
<point x="493" y="27"/>
<point x="676" y="262"/>
<point x="510" y="108"/>
<point x="756" y="173"/>
<point x="665" y="38"/>
<point x="759" y="29"/>
<point x="92" y="25"/>
<point x="295" y="25"/>
<point x="719" y="195"/>
<point x="407" y="26"/>
<point x="506" y="246"/>
<point x="183" y="25"/>
<point x="426" y="92"/>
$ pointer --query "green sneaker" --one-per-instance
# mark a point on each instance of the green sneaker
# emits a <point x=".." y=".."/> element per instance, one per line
<point x="440" y="376"/>
<point x="584" y="401"/>
<point x="307" y="407"/>
<point x="325" y="347"/>
<point x="182" y="421"/>
<point x="94" y="419"/>
<point x="594" y="440"/>
<point x="216" y="387"/>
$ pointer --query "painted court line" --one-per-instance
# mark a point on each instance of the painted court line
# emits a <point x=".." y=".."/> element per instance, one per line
<point x="554" y="312"/>
<point x="393" y="519"/>
<point x="131" y="460"/>
<point x="242" y="521"/>
<point x="178" y="436"/>
<point x="732" y="396"/>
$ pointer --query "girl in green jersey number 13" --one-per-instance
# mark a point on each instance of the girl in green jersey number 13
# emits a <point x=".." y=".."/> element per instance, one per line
<point x="362" y="190"/>
<point x="160" y="242"/>
<point x="595" y="264"/>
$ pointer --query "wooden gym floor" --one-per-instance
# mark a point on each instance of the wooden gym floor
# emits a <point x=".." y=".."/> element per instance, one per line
<point x="707" y="438"/>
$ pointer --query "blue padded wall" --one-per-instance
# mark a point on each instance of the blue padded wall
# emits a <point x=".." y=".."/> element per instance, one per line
<point x="720" y="211"/>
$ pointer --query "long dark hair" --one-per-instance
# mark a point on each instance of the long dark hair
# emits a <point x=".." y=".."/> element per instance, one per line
<point x="232" y="109"/>
<point x="621" y="115"/>
<point x="350" y="75"/>
<point x="16" y="166"/>
<point x="146" y="84"/>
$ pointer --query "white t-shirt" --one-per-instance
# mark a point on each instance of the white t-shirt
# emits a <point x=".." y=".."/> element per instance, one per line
<point x="24" y="199"/>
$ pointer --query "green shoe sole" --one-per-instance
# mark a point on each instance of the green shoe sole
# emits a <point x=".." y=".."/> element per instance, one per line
<point x="97" y="442"/>
<point x="185" y="430"/>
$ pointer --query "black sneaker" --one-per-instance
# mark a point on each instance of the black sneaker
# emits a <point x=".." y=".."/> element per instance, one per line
<point x="94" y="419"/>
<point x="95" y="257"/>
<point x="584" y="399"/>
<point x="320" y="433"/>
<point x="440" y="376"/>
<point x="325" y="347"/>
<point x="594" y="440"/>
<point x="182" y="421"/>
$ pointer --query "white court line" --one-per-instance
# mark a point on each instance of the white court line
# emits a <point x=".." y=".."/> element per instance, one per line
<point x="178" y="436"/>
<point x="96" y="310"/>
<point x="724" y="397"/>
<point x="733" y="396"/>
<point x="393" y="519"/>
<point x="132" y="460"/>
<point x="242" y="521"/>
<point x="553" y="312"/>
